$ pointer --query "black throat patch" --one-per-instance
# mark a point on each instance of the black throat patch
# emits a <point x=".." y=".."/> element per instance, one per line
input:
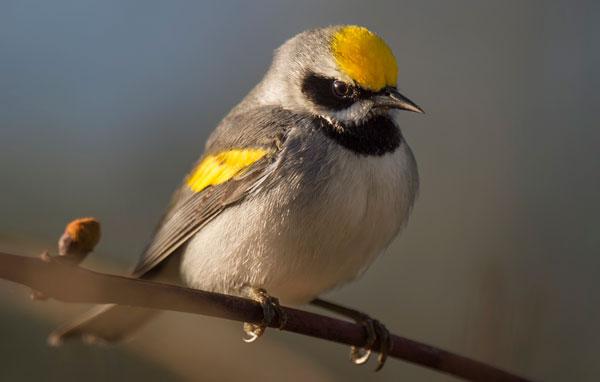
<point x="376" y="136"/>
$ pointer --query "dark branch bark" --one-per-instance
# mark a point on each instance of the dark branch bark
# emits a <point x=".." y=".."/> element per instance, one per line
<point x="62" y="281"/>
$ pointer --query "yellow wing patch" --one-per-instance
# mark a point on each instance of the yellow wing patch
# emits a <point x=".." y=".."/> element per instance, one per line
<point x="364" y="57"/>
<point x="219" y="168"/>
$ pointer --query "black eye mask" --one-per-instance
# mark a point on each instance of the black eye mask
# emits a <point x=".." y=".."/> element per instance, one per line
<point x="320" y="90"/>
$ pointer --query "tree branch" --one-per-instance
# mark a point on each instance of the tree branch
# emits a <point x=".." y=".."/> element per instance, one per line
<point x="65" y="281"/>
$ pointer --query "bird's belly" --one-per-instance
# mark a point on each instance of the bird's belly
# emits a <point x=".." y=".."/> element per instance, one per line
<point x="298" y="247"/>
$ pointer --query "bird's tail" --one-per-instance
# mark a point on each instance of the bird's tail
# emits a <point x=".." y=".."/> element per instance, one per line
<point x="112" y="323"/>
<point x="103" y="323"/>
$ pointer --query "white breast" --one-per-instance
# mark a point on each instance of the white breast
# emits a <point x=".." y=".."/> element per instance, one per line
<point x="299" y="240"/>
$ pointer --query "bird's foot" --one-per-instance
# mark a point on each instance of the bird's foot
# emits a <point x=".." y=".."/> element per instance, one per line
<point x="375" y="331"/>
<point x="272" y="313"/>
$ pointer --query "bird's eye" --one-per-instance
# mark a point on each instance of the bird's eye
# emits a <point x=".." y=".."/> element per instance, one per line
<point x="328" y="92"/>
<point x="341" y="89"/>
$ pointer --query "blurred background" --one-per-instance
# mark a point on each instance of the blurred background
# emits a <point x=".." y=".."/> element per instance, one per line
<point x="104" y="106"/>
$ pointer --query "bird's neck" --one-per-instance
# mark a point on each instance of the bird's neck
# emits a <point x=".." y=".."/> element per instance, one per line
<point x="375" y="136"/>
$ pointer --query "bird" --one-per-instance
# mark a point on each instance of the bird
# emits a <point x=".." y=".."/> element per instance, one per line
<point x="300" y="188"/>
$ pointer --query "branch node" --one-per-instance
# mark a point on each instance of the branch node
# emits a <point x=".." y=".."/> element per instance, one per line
<point x="79" y="239"/>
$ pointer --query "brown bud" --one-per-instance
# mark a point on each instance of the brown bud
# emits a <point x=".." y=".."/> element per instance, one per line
<point x="79" y="239"/>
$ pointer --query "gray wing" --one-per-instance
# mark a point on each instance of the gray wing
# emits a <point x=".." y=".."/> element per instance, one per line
<point x="190" y="211"/>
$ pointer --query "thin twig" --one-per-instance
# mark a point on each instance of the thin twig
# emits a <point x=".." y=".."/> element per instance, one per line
<point x="69" y="283"/>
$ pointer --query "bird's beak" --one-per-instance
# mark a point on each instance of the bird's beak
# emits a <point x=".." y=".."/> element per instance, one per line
<point x="391" y="98"/>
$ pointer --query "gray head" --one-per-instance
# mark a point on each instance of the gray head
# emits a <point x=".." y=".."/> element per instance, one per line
<point x="344" y="74"/>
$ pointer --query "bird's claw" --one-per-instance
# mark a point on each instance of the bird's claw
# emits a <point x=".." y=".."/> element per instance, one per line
<point x="375" y="330"/>
<point x="271" y="313"/>
<point x="252" y="332"/>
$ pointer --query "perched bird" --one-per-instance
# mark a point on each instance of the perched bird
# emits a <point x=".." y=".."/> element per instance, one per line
<point x="301" y="186"/>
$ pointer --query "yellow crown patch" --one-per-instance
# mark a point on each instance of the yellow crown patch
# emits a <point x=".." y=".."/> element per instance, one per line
<point x="364" y="57"/>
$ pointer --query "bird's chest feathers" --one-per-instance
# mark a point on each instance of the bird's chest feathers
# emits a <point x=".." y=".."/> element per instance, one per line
<point x="364" y="197"/>
<point x="339" y="231"/>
